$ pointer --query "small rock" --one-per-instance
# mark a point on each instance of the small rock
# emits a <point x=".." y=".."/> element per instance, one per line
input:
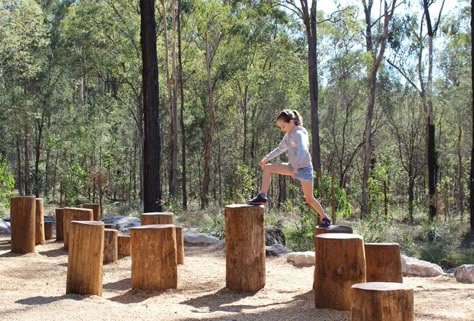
<point x="274" y="235"/>
<point x="275" y="250"/>
<point x="301" y="259"/>
<point x="5" y="227"/>
<point x="196" y="238"/>
<point x="465" y="273"/>
<point x="416" y="267"/>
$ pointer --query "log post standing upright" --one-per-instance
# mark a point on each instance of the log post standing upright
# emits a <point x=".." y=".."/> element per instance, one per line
<point x="179" y="245"/>
<point x="383" y="262"/>
<point x="157" y="218"/>
<point x="84" y="267"/>
<point x="39" y="222"/>
<point x="123" y="245"/>
<point x="95" y="208"/>
<point x="74" y="214"/>
<point x="341" y="266"/>
<point x="331" y="229"/>
<point x="59" y="224"/>
<point x="245" y="247"/>
<point x="22" y="220"/>
<point x="382" y="301"/>
<point x="153" y="252"/>
<point x="48" y="230"/>
<point x="110" y="246"/>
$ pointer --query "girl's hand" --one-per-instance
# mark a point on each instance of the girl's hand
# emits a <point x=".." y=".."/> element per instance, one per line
<point x="262" y="162"/>
<point x="293" y="175"/>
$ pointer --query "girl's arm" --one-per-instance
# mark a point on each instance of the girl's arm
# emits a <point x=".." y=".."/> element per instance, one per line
<point x="282" y="147"/>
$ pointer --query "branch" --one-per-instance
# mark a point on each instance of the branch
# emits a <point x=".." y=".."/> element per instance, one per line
<point x="402" y="72"/>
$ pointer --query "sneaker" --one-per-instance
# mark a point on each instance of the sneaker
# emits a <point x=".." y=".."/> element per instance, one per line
<point x="325" y="222"/>
<point x="258" y="200"/>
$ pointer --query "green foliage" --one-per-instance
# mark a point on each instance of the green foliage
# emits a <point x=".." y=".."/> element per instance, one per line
<point x="300" y="235"/>
<point x="324" y="196"/>
<point x="7" y="184"/>
<point x="240" y="184"/>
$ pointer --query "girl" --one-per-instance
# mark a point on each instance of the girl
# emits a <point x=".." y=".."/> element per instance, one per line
<point x="296" y="144"/>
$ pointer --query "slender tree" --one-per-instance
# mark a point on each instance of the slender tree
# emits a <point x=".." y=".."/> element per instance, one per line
<point x="151" y="150"/>
<point x="375" y="46"/>
<point x="471" y="182"/>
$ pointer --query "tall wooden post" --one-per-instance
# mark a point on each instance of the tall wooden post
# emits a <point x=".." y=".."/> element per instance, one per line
<point x="153" y="252"/>
<point x="74" y="214"/>
<point x="84" y="268"/>
<point x="59" y="224"/>
<point x="123" y="245"/>
<point x="22" y="220"/>
<point x="110" y="246"/>
<point x="340" y="264"/>
<point x="39" y="222"/>
<point x="95" y="208"/>
<point x="245" y="247"/>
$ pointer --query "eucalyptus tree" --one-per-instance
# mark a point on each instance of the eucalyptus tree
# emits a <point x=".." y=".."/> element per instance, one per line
<point x="376" y="34"/>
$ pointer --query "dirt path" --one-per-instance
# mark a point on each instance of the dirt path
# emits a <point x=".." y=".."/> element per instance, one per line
<point x="32" y="287"/>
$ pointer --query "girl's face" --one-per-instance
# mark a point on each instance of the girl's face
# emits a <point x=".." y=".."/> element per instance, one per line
<point x="284" y="126"/>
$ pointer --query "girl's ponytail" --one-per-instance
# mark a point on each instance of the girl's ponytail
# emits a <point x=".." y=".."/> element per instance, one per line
<point x="297" y="118"/>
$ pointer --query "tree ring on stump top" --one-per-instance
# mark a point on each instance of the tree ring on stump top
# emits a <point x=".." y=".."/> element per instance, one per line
<point x="244" y="206"/>
<point x="154" y="226"/>
<point x="88" y="222"/>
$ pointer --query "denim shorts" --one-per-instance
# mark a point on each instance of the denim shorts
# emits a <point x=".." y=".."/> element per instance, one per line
<point x="304" y="173"/>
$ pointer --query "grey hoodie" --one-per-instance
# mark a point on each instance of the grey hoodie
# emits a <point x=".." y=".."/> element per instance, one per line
<point x="296" y="143"/>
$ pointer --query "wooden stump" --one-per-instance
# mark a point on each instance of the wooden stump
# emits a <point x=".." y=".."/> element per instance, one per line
<point x="123" y="245"/>
<point x="59" y="224"/>
<point x="382" y="301"/>
<point x="84" y="266"/>
<point x="95" y="209"/>
<point x="22" y="220"/>
<point x="340" y="264"/>
<point x="108" y="225"/>
<point x="331" y="229"/>
<point x="153" y="252"/>
<point x="179" y="245"/>
<point x="74" y="214"/>
<point x="157" y="218"/>
<point x="245" y="247"/>
<point x="39" y="222"/>
<point x="48" y="230"/>
<point x="110" y="246"/>
<point x="383" y="262"/>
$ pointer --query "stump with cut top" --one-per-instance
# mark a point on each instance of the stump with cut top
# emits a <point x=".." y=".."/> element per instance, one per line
<point x="157" y="218"/>
<point x="331" y="229"/>
<point x="382" y="301"/>
<point x="340" y="264"/>
<point x="95" y="210"/>
<point x="39" y="222"/>
<point x="153" y="253"/>
<point x="84" y="267"/>
<point x="123" y="245"/>
<point x="74" y="214"/>
<point x="179" y="245"/>
<point x="245" y="247"/>
<point x="22" y="220"/>
<point x="59" y="224"/>
<point x="48" y="230"/>
<point x="383" y="262"/>
<point x="110" y="246"/>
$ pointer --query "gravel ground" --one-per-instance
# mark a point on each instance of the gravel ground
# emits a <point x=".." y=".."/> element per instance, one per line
<point x="32" y="287"/>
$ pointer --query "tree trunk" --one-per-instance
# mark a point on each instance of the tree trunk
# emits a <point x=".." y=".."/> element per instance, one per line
<point x="27" y="163"/>
<point x="183" y="128"/>
<point x="309" y="20"/>
<point x="459" y="175"/>
<point x="152" y="148"/>
<point x="383" y="263"/>
<point x="39" y="222"/>
<point x="19" y="168"/>
<point x="211" y="124"/>
<point x="471" y="178"/>
<point x="110" y="246"/>
<point x="39" y="135"/>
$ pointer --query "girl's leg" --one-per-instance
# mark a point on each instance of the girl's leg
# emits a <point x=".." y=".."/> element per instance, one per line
<point x="307" y="187"/>
<point x="268" y="170"/>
